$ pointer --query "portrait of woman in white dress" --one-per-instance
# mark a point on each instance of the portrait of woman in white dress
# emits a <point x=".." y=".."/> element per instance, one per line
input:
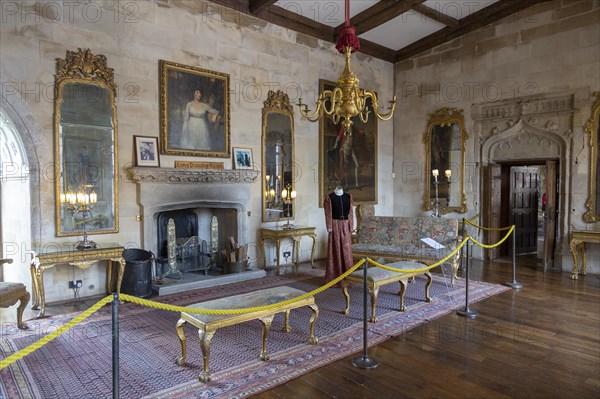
<point x="194" y="115"/>
<point x="198" y="119"/>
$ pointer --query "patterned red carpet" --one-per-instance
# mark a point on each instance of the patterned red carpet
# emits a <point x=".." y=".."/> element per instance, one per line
<point x="79" y="363"/>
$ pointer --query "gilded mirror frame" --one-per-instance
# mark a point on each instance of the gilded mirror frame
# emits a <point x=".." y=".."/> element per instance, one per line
<point x="446" y="117"/>
<point x="78" y="69"/>
<point x="277" y="103"/>
<point x="592" y="127"/>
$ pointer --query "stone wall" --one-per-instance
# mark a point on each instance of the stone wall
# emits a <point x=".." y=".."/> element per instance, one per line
<point x="134" y="36"/>
<point x="550" y="48"/>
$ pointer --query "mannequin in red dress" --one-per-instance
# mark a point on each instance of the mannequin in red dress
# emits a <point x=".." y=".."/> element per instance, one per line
<point x="339" y="219"/>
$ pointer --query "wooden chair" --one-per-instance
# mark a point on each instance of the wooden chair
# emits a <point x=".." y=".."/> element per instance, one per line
<point x="10" y="293"/>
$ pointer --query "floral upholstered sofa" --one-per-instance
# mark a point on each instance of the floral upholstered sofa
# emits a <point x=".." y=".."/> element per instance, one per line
<point x="399" y="238"/>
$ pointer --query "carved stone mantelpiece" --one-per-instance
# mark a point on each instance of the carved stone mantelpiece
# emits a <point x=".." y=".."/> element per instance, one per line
<point x="178" y="175"/>
<point x="550" y="113"/>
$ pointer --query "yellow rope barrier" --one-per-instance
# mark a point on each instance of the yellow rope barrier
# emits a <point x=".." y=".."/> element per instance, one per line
<point x="487" y="228"/>
<point x="38" y="344"/>
<point x="512" y="228"/>
<point x="173" y="308"/>
<point x="423" y="269"/>
<point x="156" y="305"/>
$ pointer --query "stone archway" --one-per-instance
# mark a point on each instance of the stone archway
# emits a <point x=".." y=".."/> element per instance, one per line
<point x="525" y="131"/>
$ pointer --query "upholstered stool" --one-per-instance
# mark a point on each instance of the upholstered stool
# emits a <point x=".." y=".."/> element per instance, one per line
<point x="376" y="277"/>
<point x="10" y="293"/>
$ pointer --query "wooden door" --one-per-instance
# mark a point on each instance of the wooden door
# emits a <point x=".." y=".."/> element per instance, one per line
<point x="550" y="214"/>
<point x="524" y="188"/>
<point x="492" y="206"/>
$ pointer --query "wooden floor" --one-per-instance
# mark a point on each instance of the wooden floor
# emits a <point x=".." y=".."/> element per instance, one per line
<point x="542" y="341"/>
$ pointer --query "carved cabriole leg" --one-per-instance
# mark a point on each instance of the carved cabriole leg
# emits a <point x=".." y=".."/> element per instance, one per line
<point x="262" y="246"/>
<point x="24" y="300"/>
<point x="311" y="328"/>
<point x="573" y="247"/>
<point x="267" y="320"/>
<point x="181" y="359"/>
<point x="312" y="252"/>
<point x="286" y="325"/>
<point x="374" y="291"/>
<point x="40" y="281"/>
<point x="121" y="261"/>
<point x="347" y="296"/>
<point x="583" y="259"/>
<point x="277" y="246"/>
<point x="427" y="285"/>
<point x="109" y="266"/>
<point x="401" y="294"/>
<point x="205" y="338"/>
<point x="297" y="252"/>
<point x="36" y="289"/>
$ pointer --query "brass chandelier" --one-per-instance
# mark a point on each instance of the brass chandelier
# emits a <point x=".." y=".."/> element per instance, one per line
<point x="347" y="99"/>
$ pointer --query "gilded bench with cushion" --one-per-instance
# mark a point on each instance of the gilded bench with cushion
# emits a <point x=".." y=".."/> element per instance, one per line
<point x="377" y="277"/>
<point x="208" y="324"/>
<point x="397" y="238"/>
<point x="10" y="293"/>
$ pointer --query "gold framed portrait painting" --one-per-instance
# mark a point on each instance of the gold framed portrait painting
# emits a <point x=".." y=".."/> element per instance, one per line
<point x="348" y="161"/>
<point x="194" y="111"/>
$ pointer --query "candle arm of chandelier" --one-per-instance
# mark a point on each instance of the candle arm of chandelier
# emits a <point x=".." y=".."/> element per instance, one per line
<point x="392" y="107"/>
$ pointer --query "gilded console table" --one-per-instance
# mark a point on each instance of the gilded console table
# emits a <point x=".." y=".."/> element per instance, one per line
<point x="47" y="258"/>
<point x="296" y="233"/>
<point x="577" y="244"/>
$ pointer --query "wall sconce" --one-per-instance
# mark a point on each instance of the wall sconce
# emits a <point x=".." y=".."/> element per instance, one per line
<point x="288" y="196"/>
<point x="81" y="202"/>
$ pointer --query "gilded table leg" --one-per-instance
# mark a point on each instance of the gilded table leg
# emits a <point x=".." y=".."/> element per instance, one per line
<point x="374" y="291"/>
<point x="286" y="325"/>
<point x="401" y="294"/>
<point x="205" y="338"/>
<point x="311" y="328"/>
<point x="181" y="359"/>
<point x="267" y="320"/>
<point x="347" y="296"/>
<point x="297" y="251"/>
<point x="121" y="261"/>
<point x="109" y="266"/>
<point x="262" y="246"/>
<point x="583" y="259"/>
<point x="427" y="285"/>
<point x="277" y="245"/>
<point x="36" y="290"/>
<point x="42" y="294"/>
<point x="22" y="304"/>
<point x="573" y="247"/>
<point x="312" y="252"/>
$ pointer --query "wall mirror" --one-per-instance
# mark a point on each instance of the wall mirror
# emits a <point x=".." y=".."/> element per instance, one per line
<point x="445" y="140"/>
<point x="592" y="127"/>
<point x="277" y="156"/>
<point x="85" y="151"/>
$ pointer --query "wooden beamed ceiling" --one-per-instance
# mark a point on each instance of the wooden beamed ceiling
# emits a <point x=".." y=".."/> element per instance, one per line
<point x="378" y="14"/>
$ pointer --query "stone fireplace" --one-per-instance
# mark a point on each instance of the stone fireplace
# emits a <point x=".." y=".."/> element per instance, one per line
<point x="193" y="197"/>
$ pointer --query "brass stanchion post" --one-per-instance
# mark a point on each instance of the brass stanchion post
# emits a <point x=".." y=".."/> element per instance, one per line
<point x="365" y="362"/>
<point x="115" y="345"/>
<point x="514" y="284"/>
<point x="466" y="312"/>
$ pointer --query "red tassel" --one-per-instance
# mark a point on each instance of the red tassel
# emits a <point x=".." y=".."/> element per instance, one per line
<point x="348" y="38"/>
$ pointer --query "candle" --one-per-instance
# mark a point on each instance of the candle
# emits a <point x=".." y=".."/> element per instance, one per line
<point x="284" y="193"/>
<point x="435" y="174"/>
<point x="93" y="198"/>
<point x="448" y="173"/>
<point x="63" y="198"/>
<point x="294" y="194"/>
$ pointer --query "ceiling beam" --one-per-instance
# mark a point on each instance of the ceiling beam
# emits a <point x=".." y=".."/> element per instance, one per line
<point x="436" y="15"/>
<point x="481" y="18"/>
<point x="380" y="13"/>
<point x="257" y="6"/>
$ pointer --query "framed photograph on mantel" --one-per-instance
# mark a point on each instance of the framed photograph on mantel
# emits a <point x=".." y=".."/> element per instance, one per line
<point x="242" y="158"/>
<point x="194" y="111"/>
<point x="146" y="151"/>
<point x="348" y="161"/>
